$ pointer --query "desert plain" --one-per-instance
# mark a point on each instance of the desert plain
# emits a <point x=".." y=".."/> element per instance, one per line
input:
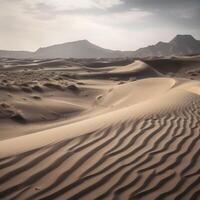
<point x="100" y="128"/>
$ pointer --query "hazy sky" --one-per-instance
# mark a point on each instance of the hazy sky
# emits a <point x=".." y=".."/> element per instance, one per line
<point x="114" y="24"/>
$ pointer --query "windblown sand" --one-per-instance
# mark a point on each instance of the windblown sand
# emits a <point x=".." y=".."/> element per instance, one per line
<point x="131" y="134"/>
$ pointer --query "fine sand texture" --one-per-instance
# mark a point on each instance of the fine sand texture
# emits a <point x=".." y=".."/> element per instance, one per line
<point x="131" y="134"/>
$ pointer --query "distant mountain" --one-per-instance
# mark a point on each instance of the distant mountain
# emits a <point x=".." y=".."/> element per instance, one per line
<point x="77" y="49"/>
<point x="180" y="45"/>
<point x="15" y="54"/>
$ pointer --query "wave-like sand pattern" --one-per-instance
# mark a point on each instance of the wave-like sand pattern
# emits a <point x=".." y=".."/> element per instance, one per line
<point x="153" y="156"/>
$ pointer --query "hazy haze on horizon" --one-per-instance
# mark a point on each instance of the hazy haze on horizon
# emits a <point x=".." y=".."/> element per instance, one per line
<point x="113" y="24"/>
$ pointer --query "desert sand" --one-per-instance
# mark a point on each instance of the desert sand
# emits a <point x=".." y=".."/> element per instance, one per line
<point x="73" y="131"/>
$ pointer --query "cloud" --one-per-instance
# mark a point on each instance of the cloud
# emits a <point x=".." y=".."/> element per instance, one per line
<point x="115" y="24"/>
<point x="161" y="4"/>
<point x="166" y="8"/>
<point x="75" y="5"/>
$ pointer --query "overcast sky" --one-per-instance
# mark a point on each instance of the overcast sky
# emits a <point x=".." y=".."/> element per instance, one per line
<point x="114" y="24"/>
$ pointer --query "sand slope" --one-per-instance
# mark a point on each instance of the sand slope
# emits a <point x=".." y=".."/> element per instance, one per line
<point x="134" y="70"/>
<point x="144" y="144"/>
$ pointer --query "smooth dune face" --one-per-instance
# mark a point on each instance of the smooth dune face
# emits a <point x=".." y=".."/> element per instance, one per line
<point x="144" y="144"/>
<point x="133" y="93"/>
<point x="137" y="65"/>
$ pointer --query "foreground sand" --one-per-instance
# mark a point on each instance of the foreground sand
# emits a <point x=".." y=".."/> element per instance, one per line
<point x="139" y="140"/>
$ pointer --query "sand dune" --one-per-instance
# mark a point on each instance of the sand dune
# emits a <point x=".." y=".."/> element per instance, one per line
<point x="140" y="140"/>
<point x="136" y="69"/>
<point x="187" y="66"/>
